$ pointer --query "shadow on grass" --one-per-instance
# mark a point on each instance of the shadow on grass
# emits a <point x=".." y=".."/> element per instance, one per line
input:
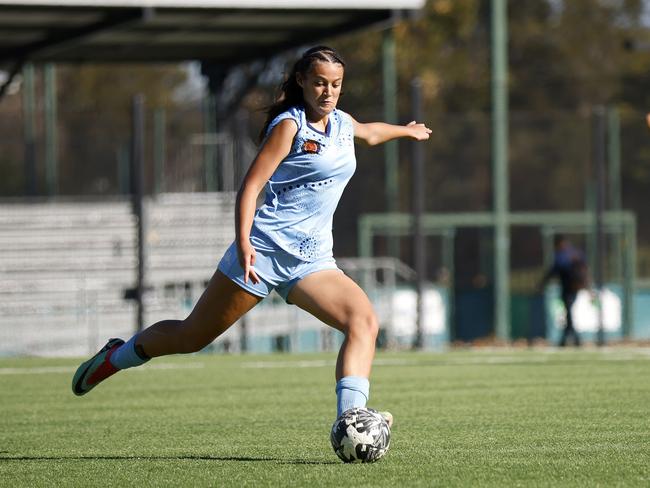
<point x="5" y="457"/>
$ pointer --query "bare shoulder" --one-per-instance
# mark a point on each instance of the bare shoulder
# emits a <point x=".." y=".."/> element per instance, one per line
<point x="284" y="127"/>
<point x="281" y="134"/>
<point x="275" y="147"/>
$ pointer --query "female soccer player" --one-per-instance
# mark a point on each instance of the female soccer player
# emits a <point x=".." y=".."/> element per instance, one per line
<point x="305" y="160"/>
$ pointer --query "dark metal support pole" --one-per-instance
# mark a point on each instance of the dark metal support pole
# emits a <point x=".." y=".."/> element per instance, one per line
<point x="159" y="153"/>
<point x="448" y="260"/>
<point x="417" y="155"/>
<point x="137" y="194"/>
<point x="599" y="156"/>
<point x="51" y="130"/>
<point x="210" y="148"/>
<point x="240" y="128"/>
<point x="391" y="150"/>
<point x="29" y="117"/>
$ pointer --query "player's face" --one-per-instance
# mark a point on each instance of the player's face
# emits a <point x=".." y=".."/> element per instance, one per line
<point x="321" y="87"/>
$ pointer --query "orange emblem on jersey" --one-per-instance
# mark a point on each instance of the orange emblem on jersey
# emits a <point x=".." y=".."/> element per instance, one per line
<point x="311" y="147"/>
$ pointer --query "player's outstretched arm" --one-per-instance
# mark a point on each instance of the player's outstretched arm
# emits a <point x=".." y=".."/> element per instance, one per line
<point x="647" y="120"/>
<point x="374" y="133"/>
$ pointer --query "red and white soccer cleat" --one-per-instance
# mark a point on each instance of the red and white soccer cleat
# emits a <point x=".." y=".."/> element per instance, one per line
<point x="96" y="369"/>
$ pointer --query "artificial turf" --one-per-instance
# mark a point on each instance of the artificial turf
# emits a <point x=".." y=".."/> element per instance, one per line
<point x="463" y="418"/>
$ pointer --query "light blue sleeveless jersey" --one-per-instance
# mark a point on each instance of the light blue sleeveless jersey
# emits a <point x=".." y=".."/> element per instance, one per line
<point x="303" y="192"/>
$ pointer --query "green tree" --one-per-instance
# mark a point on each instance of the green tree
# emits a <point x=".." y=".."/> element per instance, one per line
<point x="95" y="103"/>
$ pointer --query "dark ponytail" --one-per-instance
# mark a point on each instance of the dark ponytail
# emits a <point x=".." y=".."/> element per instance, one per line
<point x="291" y="95"/>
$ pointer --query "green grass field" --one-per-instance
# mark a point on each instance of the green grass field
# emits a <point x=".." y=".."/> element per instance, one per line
<point x="466" y="418"/>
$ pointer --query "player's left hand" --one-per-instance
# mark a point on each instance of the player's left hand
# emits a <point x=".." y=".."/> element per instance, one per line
<point x="419" y="132"/>
<point x="647" y="119"/>
<point x="246" y="255"/>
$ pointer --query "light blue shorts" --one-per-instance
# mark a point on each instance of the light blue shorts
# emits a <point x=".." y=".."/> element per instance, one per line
<point x="277" y="270"/>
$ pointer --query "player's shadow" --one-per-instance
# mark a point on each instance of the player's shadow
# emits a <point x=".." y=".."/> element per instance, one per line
<point x="4" y="457"/>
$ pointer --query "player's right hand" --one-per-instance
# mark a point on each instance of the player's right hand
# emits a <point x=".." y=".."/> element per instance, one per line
<point x="246" y="255"/>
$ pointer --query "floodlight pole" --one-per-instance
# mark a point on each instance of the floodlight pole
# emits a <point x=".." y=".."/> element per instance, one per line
<point x="500" y="184"/>
<point x="137" y="195"/>
<point x="418" y="208"/>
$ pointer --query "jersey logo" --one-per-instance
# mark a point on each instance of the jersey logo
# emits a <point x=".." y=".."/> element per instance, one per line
<point x="311" y="147"/>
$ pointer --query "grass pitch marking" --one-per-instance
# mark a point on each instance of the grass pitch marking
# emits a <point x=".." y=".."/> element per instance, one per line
<point x="484" y="357"/>
<point x="548" y="356"/>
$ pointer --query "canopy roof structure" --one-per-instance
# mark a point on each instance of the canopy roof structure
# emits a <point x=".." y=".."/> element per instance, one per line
<point x="224" y="32"/>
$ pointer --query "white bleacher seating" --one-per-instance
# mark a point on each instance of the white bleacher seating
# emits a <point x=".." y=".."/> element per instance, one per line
<point x="65" y="266"/>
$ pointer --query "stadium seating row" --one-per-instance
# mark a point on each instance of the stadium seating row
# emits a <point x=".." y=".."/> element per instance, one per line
<point x="66" y="266"/>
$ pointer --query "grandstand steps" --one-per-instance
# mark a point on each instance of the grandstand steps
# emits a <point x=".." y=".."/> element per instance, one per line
<point x="65" y="266"/>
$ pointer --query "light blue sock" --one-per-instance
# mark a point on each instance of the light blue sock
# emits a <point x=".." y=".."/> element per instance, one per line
<point x="126" y="356"/>
<point x="351" y="392"/>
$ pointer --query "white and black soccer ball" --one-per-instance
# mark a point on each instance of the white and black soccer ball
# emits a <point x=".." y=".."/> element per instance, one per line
<point x="360" y="435"/>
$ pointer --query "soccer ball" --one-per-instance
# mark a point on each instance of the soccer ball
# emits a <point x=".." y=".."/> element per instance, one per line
<point x="360" y="435"/>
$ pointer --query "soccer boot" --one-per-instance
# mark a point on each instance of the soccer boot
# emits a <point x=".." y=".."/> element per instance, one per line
<point x="388" y="417"/>
<point x="96" y="369"/>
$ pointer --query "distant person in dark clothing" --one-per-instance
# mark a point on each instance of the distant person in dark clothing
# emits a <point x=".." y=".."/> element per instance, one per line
<point x="570" y="268"/>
